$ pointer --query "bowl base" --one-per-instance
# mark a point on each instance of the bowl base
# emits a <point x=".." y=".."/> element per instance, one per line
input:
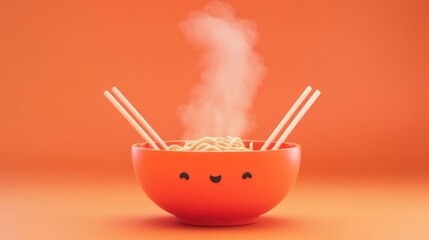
<point x="217" y="222"/>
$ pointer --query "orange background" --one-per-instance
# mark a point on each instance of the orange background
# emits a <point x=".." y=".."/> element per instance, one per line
<point x="368" y="58"/>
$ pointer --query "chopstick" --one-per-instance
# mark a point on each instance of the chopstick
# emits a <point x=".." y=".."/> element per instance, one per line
<point x="267" y="143"/>
<point x="139" y="117"/>
<point x="130" y="119"/>
<point x="297" y="118"/>
<point x="295" y="121"/>
<point x="289" y="114"/>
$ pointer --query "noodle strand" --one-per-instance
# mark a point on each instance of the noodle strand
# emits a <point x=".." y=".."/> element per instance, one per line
<point x="213" y="144"/>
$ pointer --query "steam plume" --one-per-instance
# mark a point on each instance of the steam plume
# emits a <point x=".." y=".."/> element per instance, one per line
<point x="221" y="104"/>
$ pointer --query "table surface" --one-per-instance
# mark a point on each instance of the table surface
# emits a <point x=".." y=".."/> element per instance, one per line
<point x="106" y="207"/>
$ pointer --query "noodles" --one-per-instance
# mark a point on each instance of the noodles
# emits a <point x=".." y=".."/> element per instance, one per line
<point x="213" y="144"/>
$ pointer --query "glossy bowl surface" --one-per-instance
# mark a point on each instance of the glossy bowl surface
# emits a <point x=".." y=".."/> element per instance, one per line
<point x="216" y="188"/>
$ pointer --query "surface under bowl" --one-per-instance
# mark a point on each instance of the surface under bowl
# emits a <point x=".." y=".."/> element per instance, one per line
<point x="216" y="188"/>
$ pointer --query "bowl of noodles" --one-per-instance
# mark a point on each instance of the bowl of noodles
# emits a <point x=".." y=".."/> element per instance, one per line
<point x="216" y="181"/>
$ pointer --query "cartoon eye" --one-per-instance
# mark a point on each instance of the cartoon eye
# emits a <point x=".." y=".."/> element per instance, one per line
<point x="184" y="175"/>
<point x="246" y="175"/>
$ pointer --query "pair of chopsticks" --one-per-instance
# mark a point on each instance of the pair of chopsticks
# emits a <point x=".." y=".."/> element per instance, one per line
<point x="140" y="120"/>
<point x="135" y="123"/>
<point x="294" y="122"/>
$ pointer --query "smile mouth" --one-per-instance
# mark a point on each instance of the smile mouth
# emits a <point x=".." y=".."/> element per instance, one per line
<point x="215" y="179"/>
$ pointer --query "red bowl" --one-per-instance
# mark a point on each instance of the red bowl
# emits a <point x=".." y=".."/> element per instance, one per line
<point x="216" y="188"/>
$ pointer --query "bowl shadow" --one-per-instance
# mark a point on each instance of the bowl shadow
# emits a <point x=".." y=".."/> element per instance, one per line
<point x="164" y="222"/>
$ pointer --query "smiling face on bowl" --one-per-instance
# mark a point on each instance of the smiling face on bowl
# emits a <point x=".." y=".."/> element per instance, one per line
<point x="216" y="185"/>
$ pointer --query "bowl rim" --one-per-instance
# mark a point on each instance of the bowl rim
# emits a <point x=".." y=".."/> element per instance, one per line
<point x="292" y="147"/>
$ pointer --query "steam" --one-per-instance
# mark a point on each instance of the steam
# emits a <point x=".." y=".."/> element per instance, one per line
<point x="221" y="104"/>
